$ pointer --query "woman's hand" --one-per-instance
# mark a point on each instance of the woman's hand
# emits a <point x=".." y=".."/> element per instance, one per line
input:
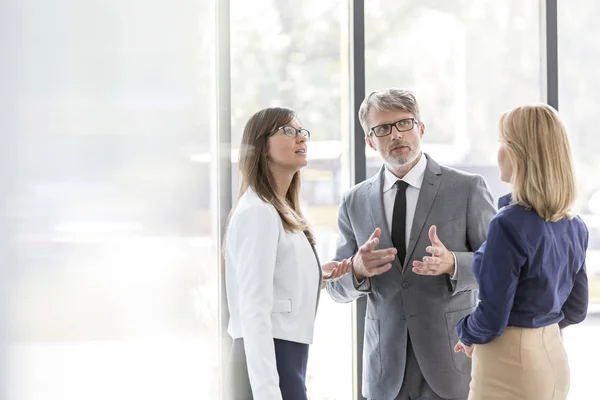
<point x="333" y="270"/>
<point x="460" y="346"/>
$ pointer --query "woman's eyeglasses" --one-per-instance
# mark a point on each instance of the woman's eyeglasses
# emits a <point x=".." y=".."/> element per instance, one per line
<point x="292" y="132"/>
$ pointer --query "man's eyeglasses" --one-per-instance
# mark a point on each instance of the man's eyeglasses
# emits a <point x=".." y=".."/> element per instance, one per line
<point x="403" y="125"/>
<point x="292" y="132"/>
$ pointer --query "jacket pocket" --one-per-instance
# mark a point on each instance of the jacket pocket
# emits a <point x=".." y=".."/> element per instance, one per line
<point x="462" y="363"/>
<point x="372" y="369"/>
<point x="282" y="306"/>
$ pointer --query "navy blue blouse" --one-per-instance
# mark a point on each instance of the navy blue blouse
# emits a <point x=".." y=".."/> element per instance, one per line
<point x="531" y="273"/>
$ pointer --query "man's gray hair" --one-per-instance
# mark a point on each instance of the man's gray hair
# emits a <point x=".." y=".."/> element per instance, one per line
<point x="391" y="99"/>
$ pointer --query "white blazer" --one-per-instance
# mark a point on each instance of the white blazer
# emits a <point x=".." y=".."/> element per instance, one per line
<point x="273" y="281"/>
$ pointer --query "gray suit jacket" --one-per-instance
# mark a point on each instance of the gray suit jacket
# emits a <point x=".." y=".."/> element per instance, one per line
<point x="400" y="301"/>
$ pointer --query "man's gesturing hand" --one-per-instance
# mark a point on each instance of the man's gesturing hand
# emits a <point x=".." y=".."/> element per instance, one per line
<point x="369" y="262"/>
<point x="441" y="260"/>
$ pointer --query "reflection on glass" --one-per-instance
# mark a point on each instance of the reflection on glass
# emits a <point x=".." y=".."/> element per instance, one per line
<point x="297" y="59"/>
<point x="579" y="96"/>
<point x="115" y="291"/>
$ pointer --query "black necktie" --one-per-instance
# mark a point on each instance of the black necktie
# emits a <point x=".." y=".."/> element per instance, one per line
<point x="399" y="220"/>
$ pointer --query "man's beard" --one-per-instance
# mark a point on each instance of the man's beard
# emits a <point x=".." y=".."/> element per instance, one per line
<point x="403" y="160"/>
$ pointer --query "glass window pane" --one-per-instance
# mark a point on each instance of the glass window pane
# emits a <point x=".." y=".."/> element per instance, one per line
<point x="466" y="62"/>
<point x="115" y="288"/>
<point x="294" y="54"/>
<point x="579" y="96"/>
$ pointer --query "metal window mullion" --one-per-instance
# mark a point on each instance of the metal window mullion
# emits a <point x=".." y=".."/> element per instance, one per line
<point x="358" y="165"/>
<point x="222" y="166"/>
<point x="550" y="16"/>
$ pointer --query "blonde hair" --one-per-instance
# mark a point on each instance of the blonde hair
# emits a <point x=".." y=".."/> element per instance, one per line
<point x="538" y="148"/>
<point x="256" y="174"/>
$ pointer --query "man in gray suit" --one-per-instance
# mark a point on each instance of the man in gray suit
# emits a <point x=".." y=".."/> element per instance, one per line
<point x="411" y="231"/>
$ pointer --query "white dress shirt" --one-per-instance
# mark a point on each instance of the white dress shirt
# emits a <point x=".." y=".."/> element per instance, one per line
<point x="414" y="179"/>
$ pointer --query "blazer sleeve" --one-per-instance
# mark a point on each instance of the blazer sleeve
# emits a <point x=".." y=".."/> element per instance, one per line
<point x="502" y="259"/>
<point x="347" y="288"/>
<point x="575" y="308"/>
<point x="576" y="305"/>
<point x="255" y="235"/>
<point x="480" y="211"/>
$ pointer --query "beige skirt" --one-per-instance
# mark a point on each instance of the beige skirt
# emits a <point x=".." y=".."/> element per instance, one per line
<point x="521" y="364"/>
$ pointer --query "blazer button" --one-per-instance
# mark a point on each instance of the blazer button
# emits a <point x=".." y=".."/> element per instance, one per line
<point x="405" y="285"/>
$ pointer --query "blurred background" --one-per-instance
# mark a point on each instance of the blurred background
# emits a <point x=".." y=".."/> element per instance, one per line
<point x="112" y="128"/>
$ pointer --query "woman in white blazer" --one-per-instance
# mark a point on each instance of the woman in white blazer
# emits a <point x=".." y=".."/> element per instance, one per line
<point x="273" y="275"/>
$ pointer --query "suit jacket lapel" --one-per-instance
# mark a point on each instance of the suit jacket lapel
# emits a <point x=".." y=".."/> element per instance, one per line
<point x="375" y="206"/>
<point x="429" y="189"/>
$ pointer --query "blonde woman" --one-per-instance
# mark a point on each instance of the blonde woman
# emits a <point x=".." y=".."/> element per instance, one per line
<point x="531" y="270"/>
<point x="273" y="276"/>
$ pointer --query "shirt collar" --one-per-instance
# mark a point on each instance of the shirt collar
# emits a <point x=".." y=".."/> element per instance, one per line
<point x="504" y="200"/>
<point x="414" y="177"/>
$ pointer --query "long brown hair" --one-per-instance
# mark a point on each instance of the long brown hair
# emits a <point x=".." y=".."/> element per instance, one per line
<point x="540" y="154"/>
<point x="256" y="174"/>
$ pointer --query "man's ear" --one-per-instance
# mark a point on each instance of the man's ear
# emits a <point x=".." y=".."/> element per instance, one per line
<point x="421" y="130"/>
<point x="370" y="143"/>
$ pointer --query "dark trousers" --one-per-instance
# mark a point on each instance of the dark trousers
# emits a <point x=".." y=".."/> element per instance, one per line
<point x="291" y="358"/>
